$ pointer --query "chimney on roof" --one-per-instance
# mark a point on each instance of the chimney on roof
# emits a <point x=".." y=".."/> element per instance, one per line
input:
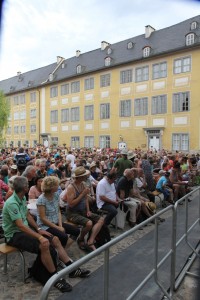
<point x="148" y="31"/>
<point x="59" y="59"/>
<point x="104" y="45"/>
<point x="19" y="73"/>
<point x="78" y="53"/>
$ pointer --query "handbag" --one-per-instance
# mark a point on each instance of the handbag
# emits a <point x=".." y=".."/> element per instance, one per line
<point x="122" y="212"/>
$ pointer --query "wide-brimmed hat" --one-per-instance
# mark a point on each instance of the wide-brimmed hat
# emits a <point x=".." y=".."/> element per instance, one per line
<point x="151" y="206"/>
<point x="93" y="164"/>
<point x="14" y="167"/>
<point x="79" y="172"/>
<point x="131" y="154"/>
<point x="124" y="152"/>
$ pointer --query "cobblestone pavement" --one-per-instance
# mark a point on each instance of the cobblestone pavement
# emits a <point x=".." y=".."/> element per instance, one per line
<point x="12" y="287"/>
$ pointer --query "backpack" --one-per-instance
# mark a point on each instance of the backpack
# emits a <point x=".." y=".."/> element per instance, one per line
<point x="38" y="270"/>
<point x="21" y="161"/>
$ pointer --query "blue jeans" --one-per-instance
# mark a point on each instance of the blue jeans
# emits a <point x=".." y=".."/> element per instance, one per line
<point x="112" y="212"/>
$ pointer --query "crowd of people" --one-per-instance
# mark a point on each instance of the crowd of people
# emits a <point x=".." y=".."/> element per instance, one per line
<point x="51" y="198"/>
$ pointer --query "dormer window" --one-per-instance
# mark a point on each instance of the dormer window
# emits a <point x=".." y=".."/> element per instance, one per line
<point x="193" y="25"/>
<point x="78" y="69"/>
<point x="51" y="77"/>
<point x="107" y="61"/>
<point x="190" y="39"/>
<point x="130" y="45"/>
<point x="109" y="51"/>
<point x="146" y="51"/>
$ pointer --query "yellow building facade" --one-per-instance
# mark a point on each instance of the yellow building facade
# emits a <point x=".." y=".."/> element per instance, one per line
<point x="150" y="100"/>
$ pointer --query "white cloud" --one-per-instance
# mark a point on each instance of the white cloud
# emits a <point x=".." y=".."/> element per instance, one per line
<point x="35" y="32"/>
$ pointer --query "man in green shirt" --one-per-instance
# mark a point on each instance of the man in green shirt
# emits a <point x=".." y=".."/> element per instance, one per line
<point x="16" y="221"/>
<point x="122" y="164"/>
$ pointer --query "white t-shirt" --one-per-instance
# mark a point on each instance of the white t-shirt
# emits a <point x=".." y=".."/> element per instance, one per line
<point x="72" y="158"/>
<point x="104" y="188"/>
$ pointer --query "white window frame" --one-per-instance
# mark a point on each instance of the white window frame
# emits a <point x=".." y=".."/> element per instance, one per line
<point x="16" y="129"/>
<point x="181" y="102"/>
<point x="16" y="115"/>
<point x="75" y="87"/>
<point x="89" y="141"/>
<point x="9" y="130"/>
<point x="16" y="100"/>
<point x="141" y="106"/>
<point x="64" y="115"/>
<point x="22" y="99"/>
<point x="23" y="115"/>
<point x="105" y="80"/>
<point x="129" y="45"/>
<point x="89" y="83"/>
<point x="109" y="50"/>
<point x="75" y="114"/>
<point x="75" y="142"/>
<point x="78" y="69"/>
<point x="33" y="113"/>
<point x="159" y="104"/>
<point x="54" y="140"/>
<point x="23" y="128"/>
<point x="89" y="112"/>
<point x="53" y="91"/>
<point x="104" y="141"/>
<point x="126" y="76"/>
<point x="64" y="89"/>
<point x="193" y="25"/>
<point x="159" y="70"/>
<point x="33" y="97"/>
<point x="182" y="65"/>
<point x="33" y="128"/>
<point x="146" y="51"/>
<point x="105" y="111"/>
<point x="180" y="141"/>
<point x="54" y="116"/>
<point x="142" y="74"/>
<point x="190" y="39"/>
<point x="125" y="108"/>
<point x="107" y="61"/>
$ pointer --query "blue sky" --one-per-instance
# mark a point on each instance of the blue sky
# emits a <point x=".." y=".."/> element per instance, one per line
<point x="35" y="32"/>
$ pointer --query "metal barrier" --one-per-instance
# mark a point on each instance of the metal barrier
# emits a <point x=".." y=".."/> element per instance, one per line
<point x="174" y="282"/>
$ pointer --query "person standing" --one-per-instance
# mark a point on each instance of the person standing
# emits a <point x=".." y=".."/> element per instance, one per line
<point x="122" y="164"/>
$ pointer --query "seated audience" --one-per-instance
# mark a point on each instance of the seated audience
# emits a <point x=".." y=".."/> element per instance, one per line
<point x="106" y="196"/>
<point x="78" y="210"/>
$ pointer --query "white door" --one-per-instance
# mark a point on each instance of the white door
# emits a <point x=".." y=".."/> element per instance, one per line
<point x="154" y="142"/>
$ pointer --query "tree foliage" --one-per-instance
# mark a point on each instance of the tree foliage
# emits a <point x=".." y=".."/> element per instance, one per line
<point x="4" y="114"/>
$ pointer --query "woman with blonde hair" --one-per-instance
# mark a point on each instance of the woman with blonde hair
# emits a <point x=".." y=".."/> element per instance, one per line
<point x="49" y="218"/>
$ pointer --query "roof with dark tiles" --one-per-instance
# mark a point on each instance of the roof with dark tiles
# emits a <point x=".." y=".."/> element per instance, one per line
<point x="161" y="41"/>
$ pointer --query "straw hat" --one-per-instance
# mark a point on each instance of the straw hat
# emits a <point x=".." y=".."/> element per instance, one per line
<point x="93" y="164"/>
<point x="79" y="172"/>
<point x="14" y="167"/>
<point x="151" y="206"/>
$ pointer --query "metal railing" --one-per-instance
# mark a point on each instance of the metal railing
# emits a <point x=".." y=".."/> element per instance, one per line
<point x="174" y="282"/>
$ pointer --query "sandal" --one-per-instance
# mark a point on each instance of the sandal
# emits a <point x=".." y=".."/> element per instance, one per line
<point x="63" y="286"/>
<point x="88" y="247"/>
<point x="81" y="244"/>
<point x="82" y="273"/>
